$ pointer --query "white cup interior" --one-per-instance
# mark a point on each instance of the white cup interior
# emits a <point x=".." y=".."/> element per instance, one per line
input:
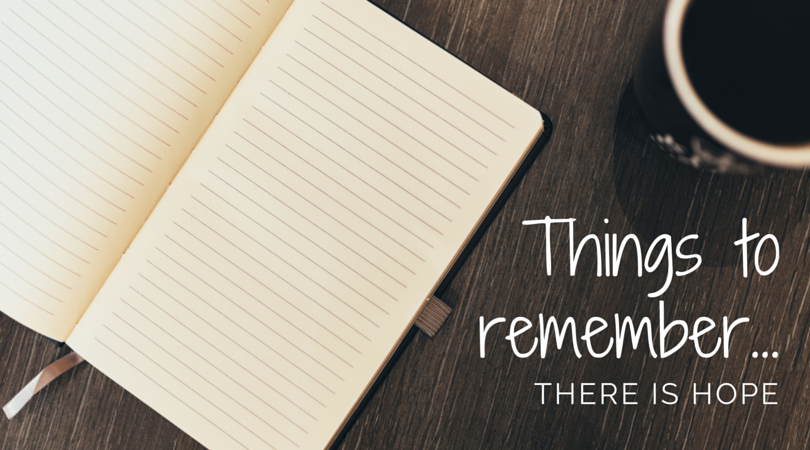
<point x="792" y="156"/>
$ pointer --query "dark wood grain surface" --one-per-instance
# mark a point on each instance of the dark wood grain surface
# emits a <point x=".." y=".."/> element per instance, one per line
<point x="573" y="60"/>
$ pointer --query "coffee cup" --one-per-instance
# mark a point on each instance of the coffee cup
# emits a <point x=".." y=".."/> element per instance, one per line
<point x="725" y="84"/>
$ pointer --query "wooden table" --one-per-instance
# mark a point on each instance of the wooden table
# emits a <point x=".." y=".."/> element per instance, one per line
<point x="574" y="61"/>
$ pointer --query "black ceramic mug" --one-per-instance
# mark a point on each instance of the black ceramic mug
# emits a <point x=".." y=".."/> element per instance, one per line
<point x="725" y="84"/>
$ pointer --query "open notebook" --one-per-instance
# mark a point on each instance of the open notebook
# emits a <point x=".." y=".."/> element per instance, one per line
<point x="236" y="209"/>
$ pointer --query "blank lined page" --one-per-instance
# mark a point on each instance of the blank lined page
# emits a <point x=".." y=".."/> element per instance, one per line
<point x="298" y="243"/>
<point x="100" y="104"/>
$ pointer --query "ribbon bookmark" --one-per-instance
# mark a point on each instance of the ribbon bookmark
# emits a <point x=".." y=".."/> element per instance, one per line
<point x="50" y="373"/>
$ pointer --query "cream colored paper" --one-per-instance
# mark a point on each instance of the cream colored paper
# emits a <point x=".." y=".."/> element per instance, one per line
<point x="100" y="104"/>
<point x="301" y="238"/>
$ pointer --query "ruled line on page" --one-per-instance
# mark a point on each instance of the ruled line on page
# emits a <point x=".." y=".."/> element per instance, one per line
<point x="41" y="214"/>
<point x="250" y="391"/>
<point x="285" y="281"/>
<point x="267" y="365"/>
<point x="241" y="308"/>
<point x="98" y="103"/>
<point x="361" y="160"/>
<point x="358" y="178"/>
<point x="30" y="227"/>
<point x="113" y="49"/>
<point x="75" y="139"/>
<point x="33" y="247"/>
<point x="28" y="263"/>
<point x="365" y="144"/>
<point x="308" y="220"/>
<point x="195" y="27"/>
<point x="263" y="265"/>
<point x="36" y="305"/>
<point x="249" y="236"/>
<point x="250" y="7"/>
<point x="441" y="117"/>
<point x="337" y="297"/>
<point x="58" y="168"/>
<point x="338" y="202"/>
<point x="172" y="374"/>
<point x="47" y="199"/>
<point x="333" y="180"/>
<point x="410" y="135"/>
<point x="98" y="59"/>
<point x="209" y="382"/>
<point x="61" y="150"/>
<point x="389" y="101"/>
<point x="40" y="282"/>
<point x="169" y="392"/>
<point x="251" y="296"/>
<point x="399" y="147"/>
<point x="59" y="188"/>
<point x="265" y="344"/>
<point x="86" y="72"/>
<point x="358" y="159"/>
<point x="445" y="82"/>
<point x="89" y="91"/>
<point x="239" y="287"/>
<point x="144" y="51"/>
<point x="171" y="29"/>
<point x="297" y="243"/>
<point x="281" y="373"/>
<point x="235" y="16"/>
<point x="207" y="15"/>
<point x="28" y="282"/>
<point x="161" y="42"/>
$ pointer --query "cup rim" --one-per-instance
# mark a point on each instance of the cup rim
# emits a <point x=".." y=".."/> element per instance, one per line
<point x="795" y="156"/>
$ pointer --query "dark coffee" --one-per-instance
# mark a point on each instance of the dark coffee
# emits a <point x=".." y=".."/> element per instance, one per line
<point x="749" y="61"/>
